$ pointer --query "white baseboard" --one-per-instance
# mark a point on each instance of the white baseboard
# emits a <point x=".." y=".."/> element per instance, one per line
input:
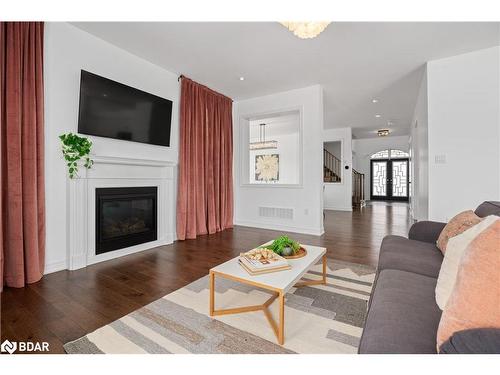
<point x="338" y="208"/>
<point x="81" y="261"/>
<point x="280" y="227"/>
<point x="54" y="267"/>
<point x="129" y="250"/>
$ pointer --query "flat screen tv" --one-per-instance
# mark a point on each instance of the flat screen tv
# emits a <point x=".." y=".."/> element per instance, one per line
<point x="114" y="110"/>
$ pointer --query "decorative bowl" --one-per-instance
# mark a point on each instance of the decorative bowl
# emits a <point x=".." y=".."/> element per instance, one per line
<point x="299" y="254"/>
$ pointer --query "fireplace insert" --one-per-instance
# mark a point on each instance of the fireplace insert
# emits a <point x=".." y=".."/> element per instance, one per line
<point x="125" y="216"/>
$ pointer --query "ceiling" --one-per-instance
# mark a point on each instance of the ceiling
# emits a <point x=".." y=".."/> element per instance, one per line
<point x="354" y="62"/>
<point x="279" y="125"/>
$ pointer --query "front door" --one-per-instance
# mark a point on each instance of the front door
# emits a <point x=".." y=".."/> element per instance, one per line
<point x="389" y="179"/>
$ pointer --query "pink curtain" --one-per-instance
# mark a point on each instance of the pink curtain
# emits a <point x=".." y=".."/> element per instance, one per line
<point x="22" y="200"/>
<point x="205" y="184"/>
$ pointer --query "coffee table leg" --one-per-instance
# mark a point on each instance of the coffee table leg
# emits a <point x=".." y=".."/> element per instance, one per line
<point x="281" y="330"/>
<point x="324" y="269"/>
<point x="212" y="293"/>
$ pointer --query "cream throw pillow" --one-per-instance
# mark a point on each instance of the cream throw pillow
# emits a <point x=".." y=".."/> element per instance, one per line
<point x="454" y="251"/>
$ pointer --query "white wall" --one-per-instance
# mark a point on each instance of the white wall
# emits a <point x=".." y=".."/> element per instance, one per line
<point x="67" y="51"/>
<point x="288" y="145"/>
<point x="419" y="153"/>
<point x="463" y="110"/>
<point x="334" y="148"/>
<point x="365" y="147"/>
<point x="338" y="196"/>
<point x="305" y="198"/>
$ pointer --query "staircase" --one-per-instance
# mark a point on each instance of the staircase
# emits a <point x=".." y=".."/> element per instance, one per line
<point x="332" y="170"/>
<point x="331" y="167"/>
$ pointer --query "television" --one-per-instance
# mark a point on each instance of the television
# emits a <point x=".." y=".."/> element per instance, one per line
<point x="114" y="110"/>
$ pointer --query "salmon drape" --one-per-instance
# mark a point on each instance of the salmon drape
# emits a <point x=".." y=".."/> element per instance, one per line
<point x="205" y="183"/>
<point x="22" y="199"/>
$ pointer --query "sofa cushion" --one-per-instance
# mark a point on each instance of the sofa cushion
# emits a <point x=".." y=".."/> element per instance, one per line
<point x="400" y="253"/>
<point x="403" y="316"/>
<point x="427" y="231"/>
<point x="473" y="341"/>
<point x="488" y="208"/>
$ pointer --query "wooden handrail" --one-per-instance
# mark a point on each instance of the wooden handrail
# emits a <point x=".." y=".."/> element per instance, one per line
<point x="332" y="167"/>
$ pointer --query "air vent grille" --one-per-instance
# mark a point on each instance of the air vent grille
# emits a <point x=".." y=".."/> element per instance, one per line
<point x="276" y="212"/>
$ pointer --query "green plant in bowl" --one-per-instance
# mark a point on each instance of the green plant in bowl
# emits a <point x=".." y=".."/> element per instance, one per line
<point x="284" y="246"/>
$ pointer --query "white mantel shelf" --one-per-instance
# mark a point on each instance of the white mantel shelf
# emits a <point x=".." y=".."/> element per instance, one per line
<point x="109" y="171"/>
<point x="129" y="161"/>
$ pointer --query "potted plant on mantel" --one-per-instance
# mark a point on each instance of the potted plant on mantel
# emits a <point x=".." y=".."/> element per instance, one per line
<point x="74" y="149"/>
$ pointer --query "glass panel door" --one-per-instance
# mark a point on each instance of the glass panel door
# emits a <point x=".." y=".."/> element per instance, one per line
<point x="400" y="178"/>
<point x="389" y="179"/>
<point x="379" y="178"/>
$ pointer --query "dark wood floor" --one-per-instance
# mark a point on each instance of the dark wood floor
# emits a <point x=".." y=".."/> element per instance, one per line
<point x="66" y="305"/>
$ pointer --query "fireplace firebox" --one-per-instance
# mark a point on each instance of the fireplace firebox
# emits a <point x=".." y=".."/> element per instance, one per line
<point x="125" y="216"/>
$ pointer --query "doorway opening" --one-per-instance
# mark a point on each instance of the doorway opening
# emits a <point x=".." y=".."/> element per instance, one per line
<point x="332" y="162"/>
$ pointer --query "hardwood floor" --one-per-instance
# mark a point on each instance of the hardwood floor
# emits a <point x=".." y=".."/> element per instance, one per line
<point x="66" y="305"/>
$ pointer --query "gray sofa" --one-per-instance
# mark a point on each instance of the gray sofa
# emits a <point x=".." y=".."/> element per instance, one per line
<point x="402" y="314"/>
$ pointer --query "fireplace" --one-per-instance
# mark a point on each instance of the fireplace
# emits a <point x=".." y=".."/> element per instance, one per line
<point x="125" y="217"/>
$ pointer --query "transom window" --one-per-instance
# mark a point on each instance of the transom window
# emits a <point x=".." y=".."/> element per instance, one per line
<point x="389" y="154"/>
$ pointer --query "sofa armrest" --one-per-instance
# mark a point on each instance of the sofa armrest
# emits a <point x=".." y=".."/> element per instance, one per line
<point x="426" y="231"/>
<point x="473" y="341"/>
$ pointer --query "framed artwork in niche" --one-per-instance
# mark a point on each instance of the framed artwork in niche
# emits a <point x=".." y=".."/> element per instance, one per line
<point x="267" y="168"/>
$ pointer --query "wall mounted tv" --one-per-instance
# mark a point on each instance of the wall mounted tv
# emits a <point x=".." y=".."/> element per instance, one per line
<point x="114" y="110"/>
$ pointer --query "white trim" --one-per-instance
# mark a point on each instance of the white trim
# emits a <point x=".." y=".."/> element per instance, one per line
<point x="129" y="250"/>
<point x="330" y="208"/>
<point x="54" y="267"/>
<point x="285" y="186"/>
<point x="130" y="161"/>
<point x="333" y="183"/>
<point x="279" y="227"/>
<point x="244" y="138"/>
<point x="342" y="160"/>
<point x="116" y="172"/>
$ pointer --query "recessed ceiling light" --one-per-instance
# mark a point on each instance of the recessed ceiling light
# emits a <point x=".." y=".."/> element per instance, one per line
<point x="383" y="132"/>
<point x="374" y="100"/>
<point x="378" y="116"/>
<point x="242" y="78"/>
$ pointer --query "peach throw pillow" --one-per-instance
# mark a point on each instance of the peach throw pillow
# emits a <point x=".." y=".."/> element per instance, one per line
<point x="458" y="224"/>
<point x="475" y="300"/>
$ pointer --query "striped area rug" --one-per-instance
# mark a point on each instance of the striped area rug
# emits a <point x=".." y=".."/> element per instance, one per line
<point x="318" y="319"/>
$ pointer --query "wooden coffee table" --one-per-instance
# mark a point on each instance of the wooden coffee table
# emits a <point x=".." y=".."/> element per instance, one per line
<point x="277" y="282"/>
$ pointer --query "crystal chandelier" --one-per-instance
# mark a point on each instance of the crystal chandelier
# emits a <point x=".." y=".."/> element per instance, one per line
<point x="306" y="30"/>
<point x="263" y="144"/>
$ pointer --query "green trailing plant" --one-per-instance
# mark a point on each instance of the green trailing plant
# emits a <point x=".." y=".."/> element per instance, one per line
<point x="281" y="245"/>
<point x="74" y="149"/>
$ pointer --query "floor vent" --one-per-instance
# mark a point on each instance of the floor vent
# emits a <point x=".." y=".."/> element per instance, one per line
<point x="277" y="212"/>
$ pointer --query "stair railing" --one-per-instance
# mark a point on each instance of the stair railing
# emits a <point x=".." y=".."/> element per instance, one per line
<point x="332" y="167"/>
<point x="358" y="189"/>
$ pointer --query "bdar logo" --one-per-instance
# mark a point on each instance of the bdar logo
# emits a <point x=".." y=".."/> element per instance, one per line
<point x="9" y="347"/>
<point x="23" y="346"/>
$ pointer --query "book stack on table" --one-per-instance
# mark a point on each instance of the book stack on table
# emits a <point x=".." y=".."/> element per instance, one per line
<point x="263" y="265"/>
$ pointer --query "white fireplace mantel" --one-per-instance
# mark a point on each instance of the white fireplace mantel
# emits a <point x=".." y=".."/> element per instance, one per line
<point x="116" y="172"/>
